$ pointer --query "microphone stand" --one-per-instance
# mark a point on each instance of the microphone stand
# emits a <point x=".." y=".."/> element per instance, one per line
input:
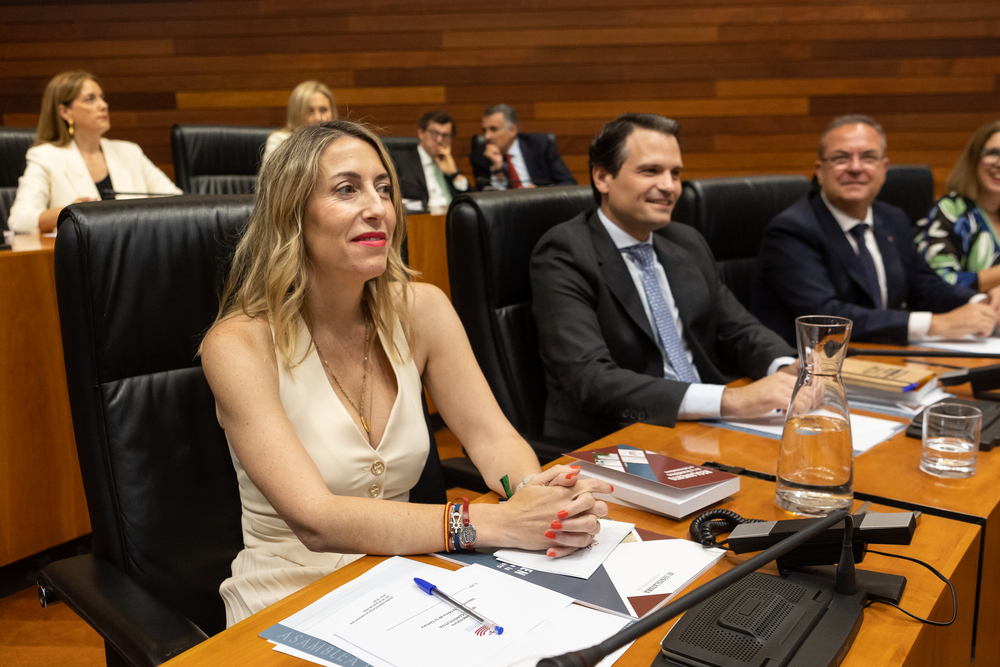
<point x="589" y="657"/>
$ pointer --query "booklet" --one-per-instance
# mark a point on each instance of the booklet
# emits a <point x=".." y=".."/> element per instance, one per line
<point x="655" y="482"/>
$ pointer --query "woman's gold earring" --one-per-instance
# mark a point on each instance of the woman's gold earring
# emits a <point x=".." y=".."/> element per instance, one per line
<point x="70" y="123"/>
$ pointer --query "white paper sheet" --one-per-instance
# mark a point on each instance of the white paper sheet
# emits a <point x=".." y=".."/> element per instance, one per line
<point x="401" y="624"/>
<point x="581" y="563"/>
<point x="866" y="432"/>
<point x="989" y="345"/>
<point x="657" y="567"/>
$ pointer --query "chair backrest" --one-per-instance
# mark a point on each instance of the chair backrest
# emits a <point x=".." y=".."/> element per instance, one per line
<point x="217" y="159"/>
<point x="732" y="213"/>
<point x="491" y="236"/>
<point x="14" y="143"/>
<point x="911" y="188"/>
<point x="138" y="284"/>
<point x="399" y="143"/>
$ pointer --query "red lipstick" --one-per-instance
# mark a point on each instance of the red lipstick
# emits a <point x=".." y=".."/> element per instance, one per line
<point x="370" y="239"/>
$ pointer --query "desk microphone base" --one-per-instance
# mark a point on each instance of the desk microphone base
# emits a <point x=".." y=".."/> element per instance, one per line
<point x="796" y="620"/>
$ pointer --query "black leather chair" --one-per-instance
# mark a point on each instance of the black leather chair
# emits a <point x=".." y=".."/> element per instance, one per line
<point x="399" y="143"/>
<point x="732" y="213"/>
<point x="137" y="284"/>
<point x="217" y="159"/>
<point x="911" y="188"/>
<point x="490" y="239"/>
<point x="14" y="143"/>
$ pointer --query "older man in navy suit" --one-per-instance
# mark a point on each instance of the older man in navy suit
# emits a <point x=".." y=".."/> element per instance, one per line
<point x="511" y="160"/>
<point x="839" y="252"/>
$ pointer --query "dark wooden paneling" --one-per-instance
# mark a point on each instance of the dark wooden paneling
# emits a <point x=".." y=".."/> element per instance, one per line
<point x="752" y="82"/>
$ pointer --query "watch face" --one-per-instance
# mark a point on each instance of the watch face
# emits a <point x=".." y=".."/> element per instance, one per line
<point x="468" y="536"/>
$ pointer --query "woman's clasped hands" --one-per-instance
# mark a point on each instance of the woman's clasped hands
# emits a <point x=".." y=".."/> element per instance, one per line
<point x="557" y="511"/>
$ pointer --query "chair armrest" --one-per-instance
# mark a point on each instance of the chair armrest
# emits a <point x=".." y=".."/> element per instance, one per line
<point x="133" y="621"/>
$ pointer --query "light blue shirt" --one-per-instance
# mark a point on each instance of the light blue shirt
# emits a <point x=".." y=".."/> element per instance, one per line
<point x="701" y="401"/>
<point x="516" y="159"/>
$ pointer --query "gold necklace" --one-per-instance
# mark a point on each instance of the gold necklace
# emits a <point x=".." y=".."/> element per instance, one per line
<point x="364" y="380"/>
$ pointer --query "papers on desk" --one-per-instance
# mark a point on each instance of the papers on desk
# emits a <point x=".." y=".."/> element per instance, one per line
<point x="866" y="432"/>
<point x="898" y="409"/>
<point x="581" y="563"/>
<point x="656" y="572"/>
<point x="384" y="619"/>
<point x="987" y="345"/>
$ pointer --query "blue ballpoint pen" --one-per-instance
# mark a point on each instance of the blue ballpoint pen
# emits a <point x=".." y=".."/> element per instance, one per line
<point x="431" y="589"/>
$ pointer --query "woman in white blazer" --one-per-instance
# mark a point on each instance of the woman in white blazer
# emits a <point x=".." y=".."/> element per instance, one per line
<point x="70" y="162"/>
<point x="311" y="103"/>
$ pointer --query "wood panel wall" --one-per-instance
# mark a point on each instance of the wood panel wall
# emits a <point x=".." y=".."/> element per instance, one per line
<point x="752" y="82"/>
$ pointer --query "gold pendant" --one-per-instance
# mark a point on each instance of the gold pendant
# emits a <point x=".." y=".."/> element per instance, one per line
<point x="368" y="428"/>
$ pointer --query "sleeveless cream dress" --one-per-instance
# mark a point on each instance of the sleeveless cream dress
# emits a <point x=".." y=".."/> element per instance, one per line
<point x="274" y="563"/>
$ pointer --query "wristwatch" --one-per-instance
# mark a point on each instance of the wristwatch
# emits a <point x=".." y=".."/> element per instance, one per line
<point x="467" y="536"/>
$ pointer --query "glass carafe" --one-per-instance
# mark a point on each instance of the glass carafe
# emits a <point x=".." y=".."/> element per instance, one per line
<point x="816" y="457"/>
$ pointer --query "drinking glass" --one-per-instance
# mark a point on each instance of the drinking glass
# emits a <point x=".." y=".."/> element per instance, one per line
<point x="951" y="440"/>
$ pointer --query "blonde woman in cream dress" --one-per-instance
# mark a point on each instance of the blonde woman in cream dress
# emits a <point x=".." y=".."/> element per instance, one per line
<point x="317" y="360"/>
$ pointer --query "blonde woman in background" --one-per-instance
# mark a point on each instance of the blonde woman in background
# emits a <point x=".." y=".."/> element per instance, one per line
<point x="311" y="103"/>
<point x="71" y="162"/>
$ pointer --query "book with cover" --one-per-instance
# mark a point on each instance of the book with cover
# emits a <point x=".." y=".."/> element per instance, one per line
<point x="654" y="482"/>
<point x="626" y="584"/>
<point x="887" y="384"/>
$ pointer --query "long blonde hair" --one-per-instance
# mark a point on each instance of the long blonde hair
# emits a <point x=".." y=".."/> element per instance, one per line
<point x="269" y="277"/>
<point x="298" y="103"/>
<point x="964" y="176"/>
<point x="61" y="90"/>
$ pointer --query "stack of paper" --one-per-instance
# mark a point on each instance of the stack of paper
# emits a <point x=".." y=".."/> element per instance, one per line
<point x="384" y="619"/>
<point x="866" y="432"/>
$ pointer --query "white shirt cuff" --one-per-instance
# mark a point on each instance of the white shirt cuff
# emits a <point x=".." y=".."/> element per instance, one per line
<point x="918" y="325"/>
<point x="976" y="298"/>
<point x="778" y="363"/>
<point x="702" y="401"/>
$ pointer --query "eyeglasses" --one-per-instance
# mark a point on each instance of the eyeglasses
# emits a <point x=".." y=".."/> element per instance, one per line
<point x="990" y="156"/>
<point x="439" y="136"/>
<point x="868" y="159"/>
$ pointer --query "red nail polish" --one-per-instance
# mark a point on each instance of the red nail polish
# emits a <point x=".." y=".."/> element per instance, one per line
<point x="556" y="525"/>
<point x="612" y="488"/>
<point x="563" y="514"/>
<point x="575" y="467"/>
<point x="570" y="475"/>
<point x="551" y="553"/>
<point x="549" y="534"/>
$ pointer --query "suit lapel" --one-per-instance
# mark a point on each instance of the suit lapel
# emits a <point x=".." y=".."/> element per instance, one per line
<point x="77" y="174"/>
<point x="840" y="247"/>
<point x="616" y="275"/>
<point x="417" y="169"/>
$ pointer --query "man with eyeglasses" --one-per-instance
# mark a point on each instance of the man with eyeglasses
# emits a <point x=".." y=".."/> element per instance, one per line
<point x="428" y="176"/>
<point x="838" y="251"/>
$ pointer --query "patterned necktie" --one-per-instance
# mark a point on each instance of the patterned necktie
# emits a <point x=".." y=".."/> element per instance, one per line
<point x="867" y="263"/>
<point x="514" y="180"/>
<point x="671" y="341"/>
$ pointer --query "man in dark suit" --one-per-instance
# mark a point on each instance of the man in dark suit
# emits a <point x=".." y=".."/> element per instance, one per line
<point x="510" y="160"/>
<point x="839" y="252"/>
<point x="635" y="326"/>
<point x="428" y="175"/>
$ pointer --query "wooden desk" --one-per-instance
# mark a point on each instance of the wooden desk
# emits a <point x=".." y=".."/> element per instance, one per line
<point x="428" y="249"/>
<point x="887" y="637"/>
<point x="42" y="503"/>
<point x="888" y="473"/>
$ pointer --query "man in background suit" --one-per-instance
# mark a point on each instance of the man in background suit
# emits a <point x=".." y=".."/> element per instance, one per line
<point x="428" y="176"/>
<point x="510" y="160"/>
<point x="839" y="252"/>
<point x="635" y="326"/>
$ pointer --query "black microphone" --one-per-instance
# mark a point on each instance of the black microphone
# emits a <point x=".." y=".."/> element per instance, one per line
<point x="589" y="657"/>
